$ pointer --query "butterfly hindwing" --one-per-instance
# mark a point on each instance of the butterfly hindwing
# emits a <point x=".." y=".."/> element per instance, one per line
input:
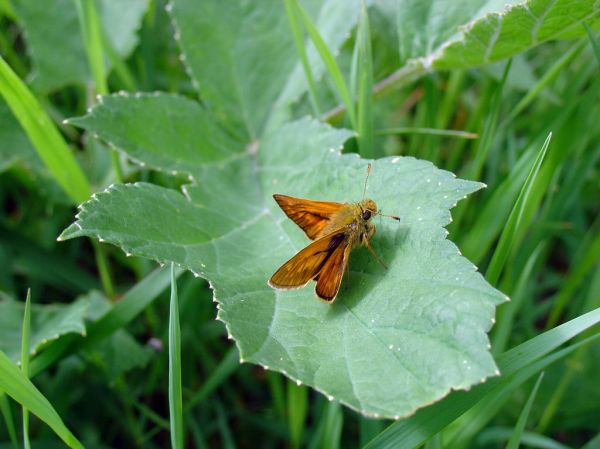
<point x="330" y="276"/>
<point x="310" y="263"/>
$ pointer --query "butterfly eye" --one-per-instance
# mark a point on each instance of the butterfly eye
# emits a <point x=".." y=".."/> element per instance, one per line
<point x="366" y="214"/>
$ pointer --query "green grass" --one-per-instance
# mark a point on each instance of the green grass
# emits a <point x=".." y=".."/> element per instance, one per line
<point x="155" y="370"/>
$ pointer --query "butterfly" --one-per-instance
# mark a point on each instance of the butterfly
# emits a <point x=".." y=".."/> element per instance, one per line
<point x="336" y="229"/>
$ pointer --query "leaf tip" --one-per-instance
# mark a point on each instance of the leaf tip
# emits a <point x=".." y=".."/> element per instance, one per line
<point x="74" y="230"/>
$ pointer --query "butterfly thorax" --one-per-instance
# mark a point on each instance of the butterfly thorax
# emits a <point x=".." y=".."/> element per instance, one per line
<point x="355" y="219"/>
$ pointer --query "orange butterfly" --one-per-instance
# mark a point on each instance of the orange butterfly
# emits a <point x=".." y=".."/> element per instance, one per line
<point x="336" y="229"/>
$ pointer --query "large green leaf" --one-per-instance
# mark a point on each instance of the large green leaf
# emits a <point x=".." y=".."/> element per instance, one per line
<point x="396" y="339"/>
<point x="226" y="228"/>
<point x="55" y="43"/>
<point x="437" y="34"/>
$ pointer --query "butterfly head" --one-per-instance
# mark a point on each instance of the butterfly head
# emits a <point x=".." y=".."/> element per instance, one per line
<point x="368" y="209"/>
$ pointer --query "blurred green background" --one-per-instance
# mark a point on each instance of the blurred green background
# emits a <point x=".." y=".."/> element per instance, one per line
<point x="110" y="387"/>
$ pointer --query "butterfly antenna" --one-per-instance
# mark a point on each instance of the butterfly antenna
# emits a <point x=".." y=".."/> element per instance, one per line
<point x="394" y="217"/>
<point x="366" y="179"/>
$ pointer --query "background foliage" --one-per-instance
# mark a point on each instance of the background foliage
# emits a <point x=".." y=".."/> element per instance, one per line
<point x="103" y="337"/>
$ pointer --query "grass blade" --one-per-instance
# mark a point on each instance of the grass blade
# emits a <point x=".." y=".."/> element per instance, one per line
<point x="91" y="30"/>
<point x="576" y="276"/>
<point x="414" y="431"/>
<point x="25" y="362"/>
<point x="593" y="41"/>
<point x="8" y="420"/>
<point x="300" y="47"/>
<point x="277" y="389"/>
<point x="482" y="147"/>
<point x="512" y="226"/>
<point x="491" y="218"/>
<point x="505" y="316"/>
<point x="496" y="436"/>
<point x="92" y="41"/>
<point x="43" y="134"/>
<point x="328" y="60"/>
<point x="427" y="131"/>
<point x="515" y="438"/>
<point x="548" y="77"/>
<point x="14" y="383"/>
<point x="297" y="396"/>
<point x="489" y="129"/>
<point x="175" y="396"/>
<point x="334" y="421"/>
<point x="220" y="374"/>
<point x="365" y="85"/>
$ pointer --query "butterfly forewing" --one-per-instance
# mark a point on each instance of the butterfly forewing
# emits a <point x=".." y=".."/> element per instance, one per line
<point x="311" y="216"/>
<point x="309" y="262"/>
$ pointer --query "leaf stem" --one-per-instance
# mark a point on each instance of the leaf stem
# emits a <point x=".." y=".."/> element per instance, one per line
<point x="103" y="269"/>
<point x="25" y="362"/>
<point x="175" y="391"/>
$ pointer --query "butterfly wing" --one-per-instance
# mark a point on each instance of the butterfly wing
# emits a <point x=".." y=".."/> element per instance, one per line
<point x="309" y="263"/>
<point x="311" y="216"/>
<point x="330" y="277"/>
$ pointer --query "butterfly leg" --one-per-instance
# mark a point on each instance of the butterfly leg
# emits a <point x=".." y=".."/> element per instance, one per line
<point x="372" y="251"/>
<point x="347" y="269"/>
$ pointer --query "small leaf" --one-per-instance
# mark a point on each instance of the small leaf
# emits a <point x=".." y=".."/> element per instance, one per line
<point x="441" y="35"/>
<point x="48" y="323"/>
<point x="119" y="354"/>
<point x="228" y="229"/>
<point x="56" y="31"/>
<point x="107" y="320"/>
<point x="14" y="145"/>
